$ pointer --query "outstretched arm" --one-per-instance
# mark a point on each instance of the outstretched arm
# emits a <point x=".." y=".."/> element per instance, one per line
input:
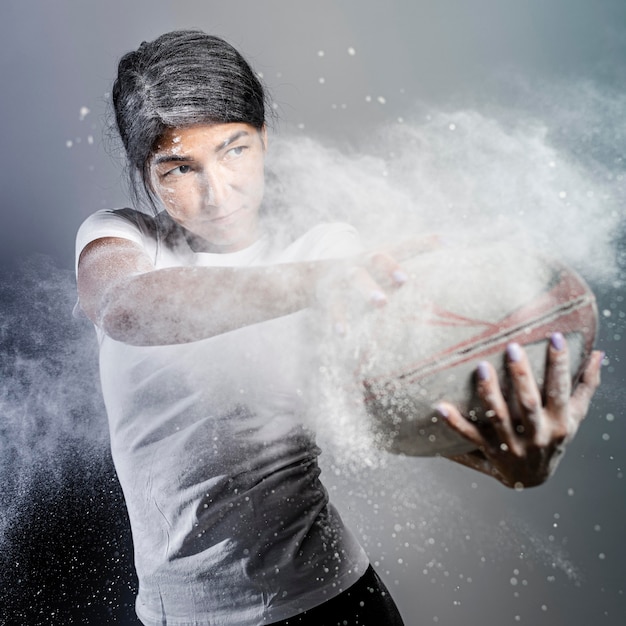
<point x="526" y="436"/>
<point x="121" y="291"/>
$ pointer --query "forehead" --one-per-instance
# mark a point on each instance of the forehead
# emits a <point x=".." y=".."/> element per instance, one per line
<point x="201" y="136"/>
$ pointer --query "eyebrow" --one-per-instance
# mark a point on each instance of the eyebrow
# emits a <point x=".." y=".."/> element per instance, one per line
<point x="238" y="135"/>
<point x="179" y="158"/>
<point x="168" y="158"/>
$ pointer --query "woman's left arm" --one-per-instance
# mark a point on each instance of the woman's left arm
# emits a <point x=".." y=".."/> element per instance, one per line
<point x="526" y="435"/>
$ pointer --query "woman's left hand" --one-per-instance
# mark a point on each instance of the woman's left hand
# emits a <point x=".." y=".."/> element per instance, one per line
<point x="525" y="437"/>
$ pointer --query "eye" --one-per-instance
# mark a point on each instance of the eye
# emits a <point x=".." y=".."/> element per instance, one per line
<point x="235" y="152"/>
<point x="181" y="169"/>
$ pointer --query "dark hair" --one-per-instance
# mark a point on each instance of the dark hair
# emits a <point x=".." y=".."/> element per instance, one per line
<point x="181" y="78"/>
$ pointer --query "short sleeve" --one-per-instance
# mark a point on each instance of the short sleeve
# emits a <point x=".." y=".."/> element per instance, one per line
<point x="338" y="240"/>
<point x="108" y="223"/>
<point x="325" y="241"/>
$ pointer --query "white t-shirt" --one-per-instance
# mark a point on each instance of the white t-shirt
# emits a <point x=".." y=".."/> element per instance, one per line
<point x="231" y="524"/>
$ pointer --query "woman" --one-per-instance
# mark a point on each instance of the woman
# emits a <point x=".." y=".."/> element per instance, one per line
<point x="201" y="314"/>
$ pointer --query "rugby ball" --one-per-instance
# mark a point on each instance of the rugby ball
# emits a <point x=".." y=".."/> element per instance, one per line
<point x="458" y="308"/>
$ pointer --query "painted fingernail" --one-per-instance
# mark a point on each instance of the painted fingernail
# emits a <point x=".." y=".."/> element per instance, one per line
<point x="558" y="341"/>
<point x="399" y="277"/>
<point x="378" y="297"/>
<point x="443" y="411"/>
<point x="602" y="357"/>
<point x="514" y="352"/>
<point x="482" y="371"/>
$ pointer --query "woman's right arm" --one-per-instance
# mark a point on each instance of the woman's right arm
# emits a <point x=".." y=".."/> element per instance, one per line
<point x="120" y="291"/>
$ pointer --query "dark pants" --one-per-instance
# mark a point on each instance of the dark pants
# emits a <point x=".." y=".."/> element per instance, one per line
<point x="366" y="603"/>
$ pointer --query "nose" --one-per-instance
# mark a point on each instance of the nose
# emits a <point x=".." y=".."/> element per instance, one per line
<point x="216" y="188"/>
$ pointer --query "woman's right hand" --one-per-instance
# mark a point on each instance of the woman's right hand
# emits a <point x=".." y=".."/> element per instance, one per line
<point x="351" y="287"/>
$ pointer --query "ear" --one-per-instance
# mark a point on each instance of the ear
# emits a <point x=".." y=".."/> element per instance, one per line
<point x="263" y="135"/>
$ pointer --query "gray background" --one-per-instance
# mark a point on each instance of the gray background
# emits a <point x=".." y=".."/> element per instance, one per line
<point x="454" y="547"/>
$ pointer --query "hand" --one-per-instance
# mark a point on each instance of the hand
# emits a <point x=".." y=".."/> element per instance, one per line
<point x="367" y="280"/>
<point x="526" y="437"/>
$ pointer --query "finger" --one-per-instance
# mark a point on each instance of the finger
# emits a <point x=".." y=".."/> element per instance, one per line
<point x="346" y="295"/>
<point x="558" y="386"/>
<point x="369" y="290"/>
<point x="525" y="390"/>
<point x="581" y="398"/>
<point x="386" y="268"/>
<point x="348" y="287"/>
<point x="496" y="408"/>
<point x="462" y="426"/>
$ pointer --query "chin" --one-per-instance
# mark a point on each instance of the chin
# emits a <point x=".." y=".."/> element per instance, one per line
<point x="230" y="243"/>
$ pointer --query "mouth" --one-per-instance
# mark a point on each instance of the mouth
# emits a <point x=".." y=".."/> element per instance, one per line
<point x="224" y="219"/>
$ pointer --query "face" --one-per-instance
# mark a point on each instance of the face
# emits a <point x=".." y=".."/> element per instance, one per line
<point x="210" y="179"/>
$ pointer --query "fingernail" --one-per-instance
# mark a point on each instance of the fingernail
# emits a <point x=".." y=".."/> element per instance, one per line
<point x="378" y="297"/>
<point x="514" y="352"/>
<point x="400" y="277"/>
<point x="558" y="341"/>
<point x="482" y="371"/>
<point x="602" y="357"/>
<point x="442" y="411"/>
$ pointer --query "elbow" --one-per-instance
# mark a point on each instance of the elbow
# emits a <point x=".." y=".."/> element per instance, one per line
<point x="123" y="315"/>
<point x="121" y="324"/>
